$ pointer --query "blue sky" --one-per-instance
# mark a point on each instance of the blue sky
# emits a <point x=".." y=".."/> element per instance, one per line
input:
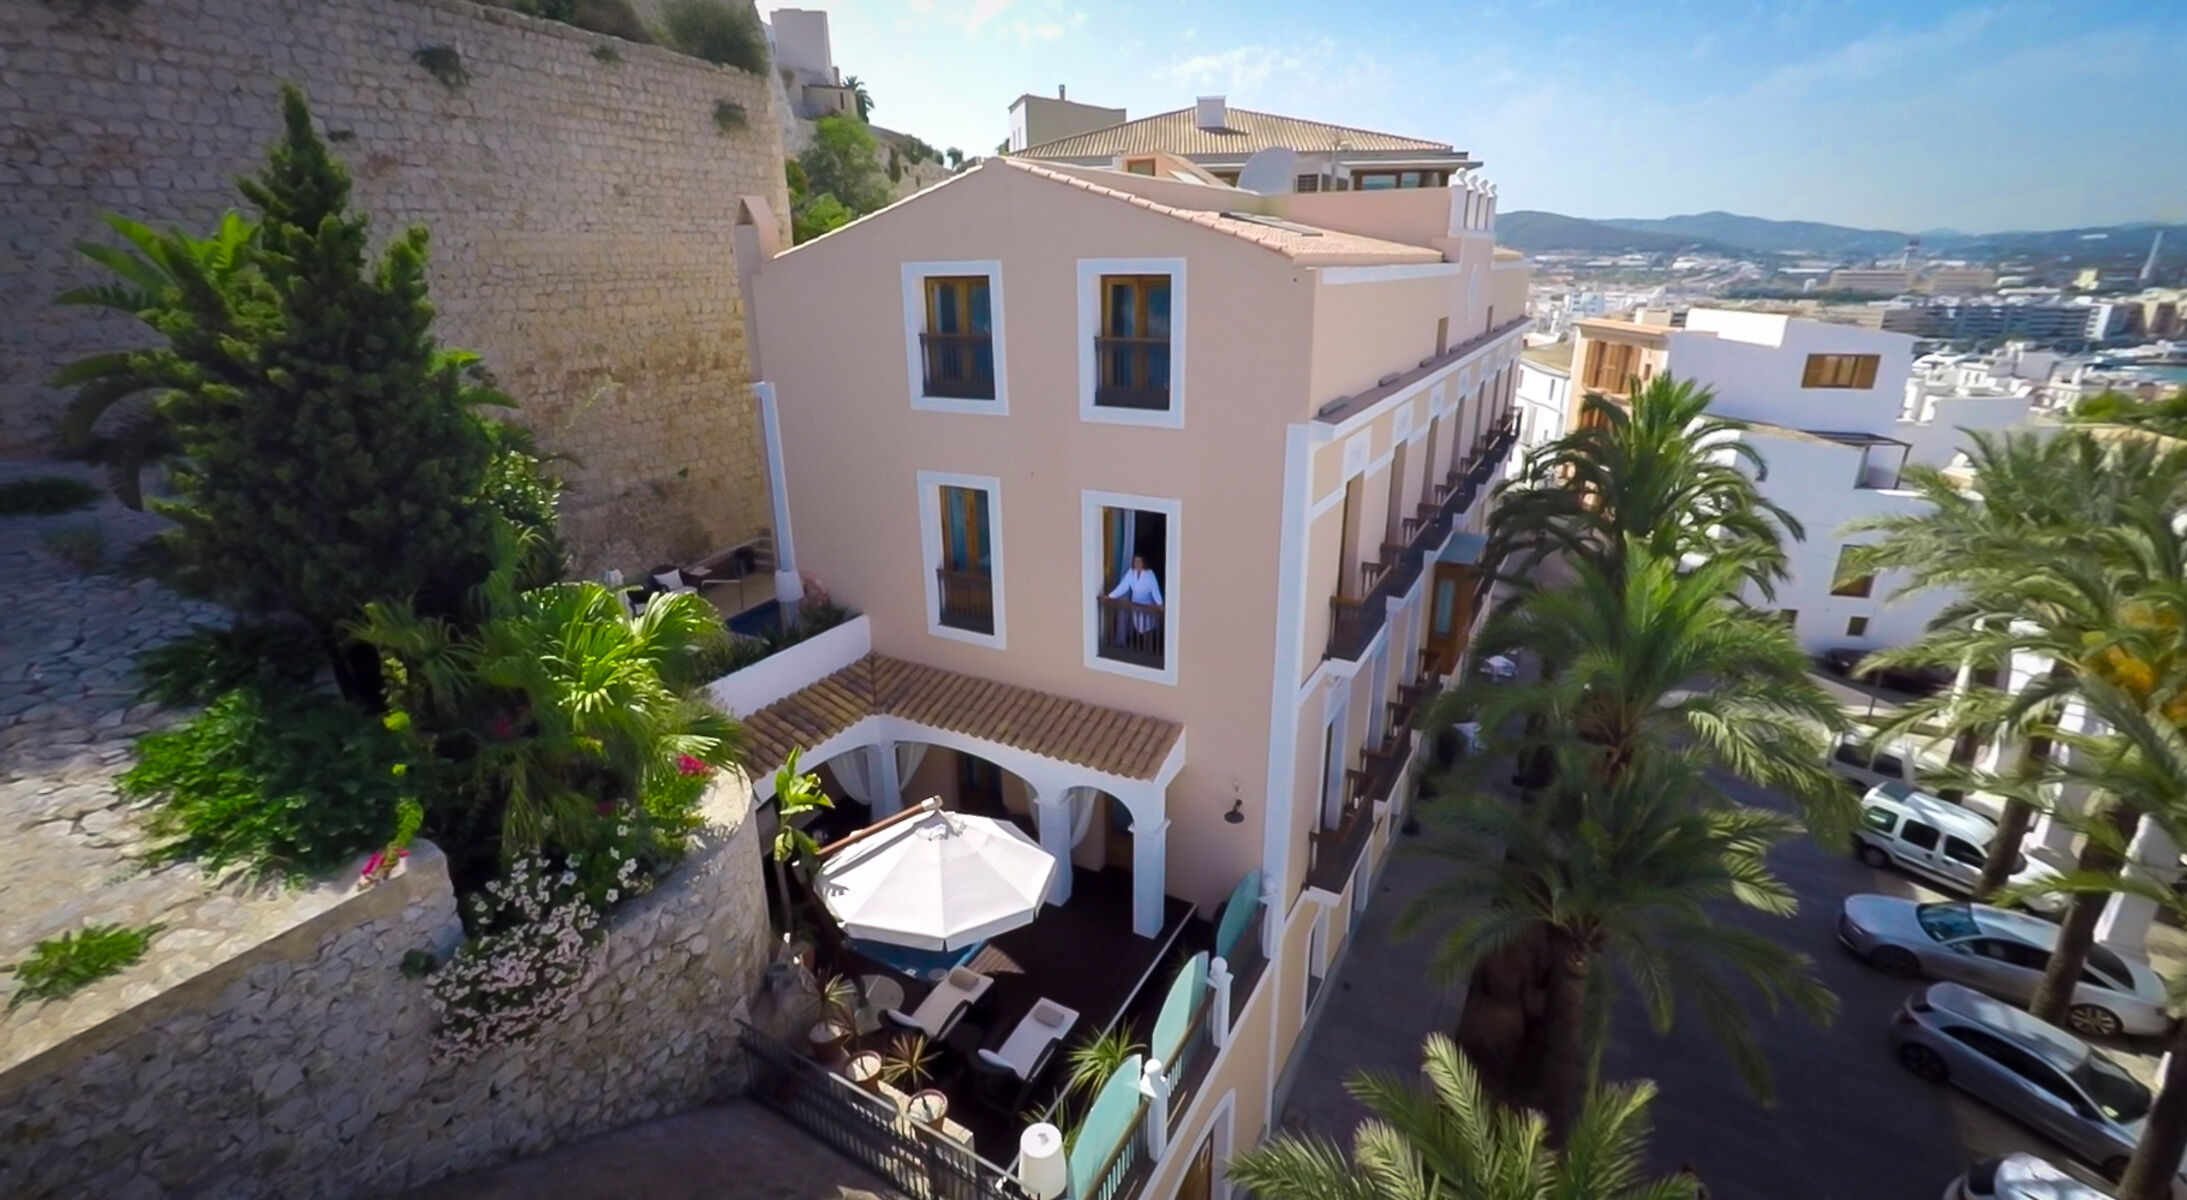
<point x="1908" y="115"/>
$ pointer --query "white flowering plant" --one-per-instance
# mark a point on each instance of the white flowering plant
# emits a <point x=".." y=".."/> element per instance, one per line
<point x="535" y="951"/>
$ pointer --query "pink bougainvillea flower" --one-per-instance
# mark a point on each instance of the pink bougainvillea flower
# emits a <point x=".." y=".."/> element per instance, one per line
<point x="688" y="765"/>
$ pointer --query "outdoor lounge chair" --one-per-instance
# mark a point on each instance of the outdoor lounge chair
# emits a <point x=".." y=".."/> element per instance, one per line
<point x="1027" y="1048"/>
<point x="945" y="1005"/>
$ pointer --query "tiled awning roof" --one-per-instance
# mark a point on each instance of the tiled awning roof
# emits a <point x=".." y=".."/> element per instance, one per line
<point x="1103" y="739"/>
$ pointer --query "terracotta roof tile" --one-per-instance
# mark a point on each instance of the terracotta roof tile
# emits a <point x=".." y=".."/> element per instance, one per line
<point x="1245" y="132"/>
<point x="1305" y="244"/>
<point x="1109" y="740"/>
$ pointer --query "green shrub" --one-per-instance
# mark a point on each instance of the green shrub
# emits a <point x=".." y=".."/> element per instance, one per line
<point x="81" y="545"/>
<point x="278" y="783"/>
<point x="209" y="661"/>
<point x="615" y="18"/>
<point x="720" y="31"/>
<point x="739" y="651"/>
<point x="46" y="496"/>
<point x="60" y="967"/>
<point x="444" y="63"/>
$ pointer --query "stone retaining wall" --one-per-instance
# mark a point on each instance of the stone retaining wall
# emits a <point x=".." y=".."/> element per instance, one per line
<point x="303" y="1067"/>
<point x="580" y="193"/>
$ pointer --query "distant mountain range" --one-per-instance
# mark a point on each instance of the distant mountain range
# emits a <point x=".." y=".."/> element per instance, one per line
<point x="1730" y="233"/>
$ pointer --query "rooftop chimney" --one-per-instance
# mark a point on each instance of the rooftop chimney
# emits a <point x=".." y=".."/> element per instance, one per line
<point x="1211" y="113"/>
<point x="1060" y="95"/>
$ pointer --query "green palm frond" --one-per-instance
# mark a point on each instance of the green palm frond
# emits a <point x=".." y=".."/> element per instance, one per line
<point x="1442" y="1138"/>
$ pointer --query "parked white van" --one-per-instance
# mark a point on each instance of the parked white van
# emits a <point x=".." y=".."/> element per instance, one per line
<point x="1864" y="764"/>
<point x="1938" y="841"/>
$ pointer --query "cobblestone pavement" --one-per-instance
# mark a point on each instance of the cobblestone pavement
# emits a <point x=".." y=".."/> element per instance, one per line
<point x="68" y="714"/>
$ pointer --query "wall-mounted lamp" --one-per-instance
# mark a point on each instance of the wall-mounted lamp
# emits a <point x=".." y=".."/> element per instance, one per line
<point x="1236" y="815"/>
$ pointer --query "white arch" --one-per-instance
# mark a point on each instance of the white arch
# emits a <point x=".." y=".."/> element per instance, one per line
<point x="1048" y="779"/>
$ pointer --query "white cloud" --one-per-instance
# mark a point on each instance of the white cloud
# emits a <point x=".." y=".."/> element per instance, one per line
<point x="984" y="11"/>
<point x="1237" y="71"/>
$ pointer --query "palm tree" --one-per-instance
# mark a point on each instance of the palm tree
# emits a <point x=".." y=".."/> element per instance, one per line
<point x="2142" y="751"/>
<point x="859" y="95"/>
<point x="2038" y="503"/>
<point x="159" y="276"/>
<point x="796" y="793"/>
<point x="1662" y="472"/>
<point x="2166" y="416"/>
<point x="1615" y="874"/>
<point x="2090" y="577"/>
<point x="1640" y="653"/>
<point x="555" y="699"/>
<point x="1446" y="1140"/>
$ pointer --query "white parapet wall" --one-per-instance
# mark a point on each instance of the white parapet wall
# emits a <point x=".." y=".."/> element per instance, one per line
<point x="741" y="693"/>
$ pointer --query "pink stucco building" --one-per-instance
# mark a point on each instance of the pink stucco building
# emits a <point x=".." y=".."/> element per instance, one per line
<point x="984" y="402"/>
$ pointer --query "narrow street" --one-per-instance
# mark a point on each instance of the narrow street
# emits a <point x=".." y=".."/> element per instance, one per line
<point x="1848" y="1124"/>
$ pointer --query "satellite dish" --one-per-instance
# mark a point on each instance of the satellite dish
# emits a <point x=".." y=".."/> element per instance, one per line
<point x="1269" y="171"/>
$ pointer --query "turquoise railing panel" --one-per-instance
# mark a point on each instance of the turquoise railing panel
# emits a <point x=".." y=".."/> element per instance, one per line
<point x="1171" y="1025"/>
<point x="1108" y="1122"/>
<point x="1237" y="911"/>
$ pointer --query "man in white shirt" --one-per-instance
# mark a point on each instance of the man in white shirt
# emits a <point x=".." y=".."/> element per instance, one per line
<point x="1140" y="587"/>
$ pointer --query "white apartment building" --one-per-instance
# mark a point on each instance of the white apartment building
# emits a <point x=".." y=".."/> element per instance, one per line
<point x="1544" y="396"/>
<point x="1837" y="417"/>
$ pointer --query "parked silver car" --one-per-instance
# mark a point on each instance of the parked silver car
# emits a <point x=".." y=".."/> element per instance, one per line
<point x="2019" y="1177"/>
<point x="2050" y="1080"/>
<point x="2003" y="953"/>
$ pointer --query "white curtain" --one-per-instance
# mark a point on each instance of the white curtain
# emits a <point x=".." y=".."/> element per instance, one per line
<point x="855" y="772"/>
<point x="1082" y="801"/>
<point x="908" y="757"/>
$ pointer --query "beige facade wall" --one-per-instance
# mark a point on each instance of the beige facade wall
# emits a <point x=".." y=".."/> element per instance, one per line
<point x="854" y="447"/>
<point x="581" y="211"/>
<point x="1265" y="341"/>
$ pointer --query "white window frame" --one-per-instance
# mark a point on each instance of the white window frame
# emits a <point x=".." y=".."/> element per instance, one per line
<point x="915" y="275"/>
<point x="1317" y="961"/>
<point x="1090" y="271"/>
<point x="931" y="484"/>
<point x="1090" y="504"/>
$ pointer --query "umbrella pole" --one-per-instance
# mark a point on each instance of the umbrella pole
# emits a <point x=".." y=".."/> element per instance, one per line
<point x="932" y="804"/>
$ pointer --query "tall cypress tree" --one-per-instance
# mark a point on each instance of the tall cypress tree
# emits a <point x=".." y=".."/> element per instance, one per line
<point x="332" y="451"/>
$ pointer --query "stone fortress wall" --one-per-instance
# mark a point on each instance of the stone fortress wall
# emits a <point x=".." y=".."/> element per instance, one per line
<point x="581" y="192"/>
<point x="303" y="1067"/>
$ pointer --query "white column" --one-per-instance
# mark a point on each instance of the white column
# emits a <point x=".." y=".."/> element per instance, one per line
<point x="1149" y="867"/>
<point x="789" y="586"/>
<point x="888" y="791"/>
<point x="2152" y="857"/>
<point x="1052" y="813"/>
<point x="1218" y="1014"/>
<point x="2054" y="830"/>
<point x="1154" y="1085"/>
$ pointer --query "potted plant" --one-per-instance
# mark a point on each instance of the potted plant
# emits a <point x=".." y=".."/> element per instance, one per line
<point x="865" y="1069"/>
<point x="837" y="998"/>
<point x="909" y="1065"/>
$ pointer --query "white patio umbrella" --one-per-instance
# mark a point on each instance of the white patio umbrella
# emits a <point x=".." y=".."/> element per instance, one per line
<point x="937" y="881"/>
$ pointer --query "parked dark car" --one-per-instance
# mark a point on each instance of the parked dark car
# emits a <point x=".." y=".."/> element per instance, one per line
<point x="1916" y="681"/>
